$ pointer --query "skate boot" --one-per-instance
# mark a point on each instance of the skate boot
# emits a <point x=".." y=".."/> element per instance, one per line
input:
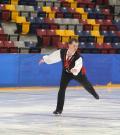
<point x="97" y="96"/>
<point x="57" y="112"/>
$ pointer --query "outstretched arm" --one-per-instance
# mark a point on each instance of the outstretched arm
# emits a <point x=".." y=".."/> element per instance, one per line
<point x="78" y="65"/>
<point x="52" y="58"/>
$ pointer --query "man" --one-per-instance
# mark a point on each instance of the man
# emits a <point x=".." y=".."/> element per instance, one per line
<point x="73" y="68"/>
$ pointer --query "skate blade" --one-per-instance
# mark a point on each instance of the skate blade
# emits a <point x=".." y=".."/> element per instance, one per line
<point x="57" y="114"/>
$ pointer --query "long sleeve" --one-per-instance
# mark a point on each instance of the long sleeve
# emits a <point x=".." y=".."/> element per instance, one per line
<point x="78" y="66"/>
<point x="52" y="58"/>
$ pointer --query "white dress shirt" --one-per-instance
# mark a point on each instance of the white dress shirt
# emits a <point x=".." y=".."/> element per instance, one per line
<point x="55" y="57"/>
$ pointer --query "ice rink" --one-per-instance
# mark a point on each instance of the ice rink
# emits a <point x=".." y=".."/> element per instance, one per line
<point x="29" y="112"/>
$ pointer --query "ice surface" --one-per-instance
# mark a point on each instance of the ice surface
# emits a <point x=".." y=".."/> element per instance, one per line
<point x="30" y="113"/>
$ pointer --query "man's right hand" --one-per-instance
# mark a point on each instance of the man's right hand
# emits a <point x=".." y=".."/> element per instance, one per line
<point x="41" y="61"/>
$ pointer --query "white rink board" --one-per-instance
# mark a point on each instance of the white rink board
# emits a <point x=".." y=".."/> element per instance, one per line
<point x="30" y="113"/>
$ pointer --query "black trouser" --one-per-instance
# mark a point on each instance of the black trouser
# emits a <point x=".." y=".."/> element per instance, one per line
<point x="65" y="79"/>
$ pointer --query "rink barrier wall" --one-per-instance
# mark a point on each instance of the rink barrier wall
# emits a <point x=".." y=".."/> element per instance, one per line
<point x="21" y="70"/>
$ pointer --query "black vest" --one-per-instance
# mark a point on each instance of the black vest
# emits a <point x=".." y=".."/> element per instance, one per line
<point x="76" y="56"/>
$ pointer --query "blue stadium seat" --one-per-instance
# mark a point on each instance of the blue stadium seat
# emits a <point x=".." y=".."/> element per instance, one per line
<point x="100" y="16"/>
<point x="44" y="26"/>
<point x="105" y="33"/>
<point x="30" y="44"/>
<point x="82" y="45"/>
<point x="42" y="14"/>
<point x="39" y="20"/>
<point x="90" y="45"/>
<point x="63" y="9"/>
<point x="68" y="15"/>
<point x="31" y="19"/>
<point x="33" y="28"/>
<point x="91" y="39"/>
<point x="116" y="45"/>
<point x="82" y="39"/>
<point x="115" y="39"/>
<point x="92" y="16"/>
<point x="107" y="39"/>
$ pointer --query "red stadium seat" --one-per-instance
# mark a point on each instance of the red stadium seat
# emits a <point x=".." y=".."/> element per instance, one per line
<point x="54" y="26"/>
<point x="62" y="45"/>
<point x="85" y="1"/>
<point x="109" y="17"/>
<point x="118" y="33"/>
<point x="1" y="31"/>
<point x="112" y="28"/>
<point x="100" y="21"/>
<point x="9" y="44"/>
<point x="55" y="9"/>
<point x="46" y="41"/>
<point x="105" y="11"/>
<point x="4" y="37"/>
<point x="65" y="4"/>
<point x="107" y="22"/>
<point x="2" y="7"/>
<point x="13" y="50"/>
<point x="55" y="40"/>
<point x="51" y="32"/>
<point x="77" y="16"/>
<point x="4" y="50"/>
<point x="59" y="15"/>
<point x="71" y="10"/>
<point x="103" y="27"/>
<point x="1" y="44"/>
<point x="43" y="39"/>
<point x="83" y="21"/>
<point x="41" y="32"/>
<point x="91" y="5"/>
<point x="107" y="45"/>
<point x="87" y="27"/>
<point x="6" y="15"/>
<point x="99" y="45"/>
<point x="49" y="20"/>
<point x="100" y="2"/>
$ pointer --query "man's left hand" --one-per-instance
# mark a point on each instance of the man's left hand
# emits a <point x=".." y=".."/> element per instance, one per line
<point x="73" y="70"/>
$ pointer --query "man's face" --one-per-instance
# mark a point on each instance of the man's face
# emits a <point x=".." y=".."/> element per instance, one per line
<point x="73" y="46"/>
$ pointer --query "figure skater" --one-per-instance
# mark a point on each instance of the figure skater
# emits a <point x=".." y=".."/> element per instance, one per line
<point x="72" y="63"/>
